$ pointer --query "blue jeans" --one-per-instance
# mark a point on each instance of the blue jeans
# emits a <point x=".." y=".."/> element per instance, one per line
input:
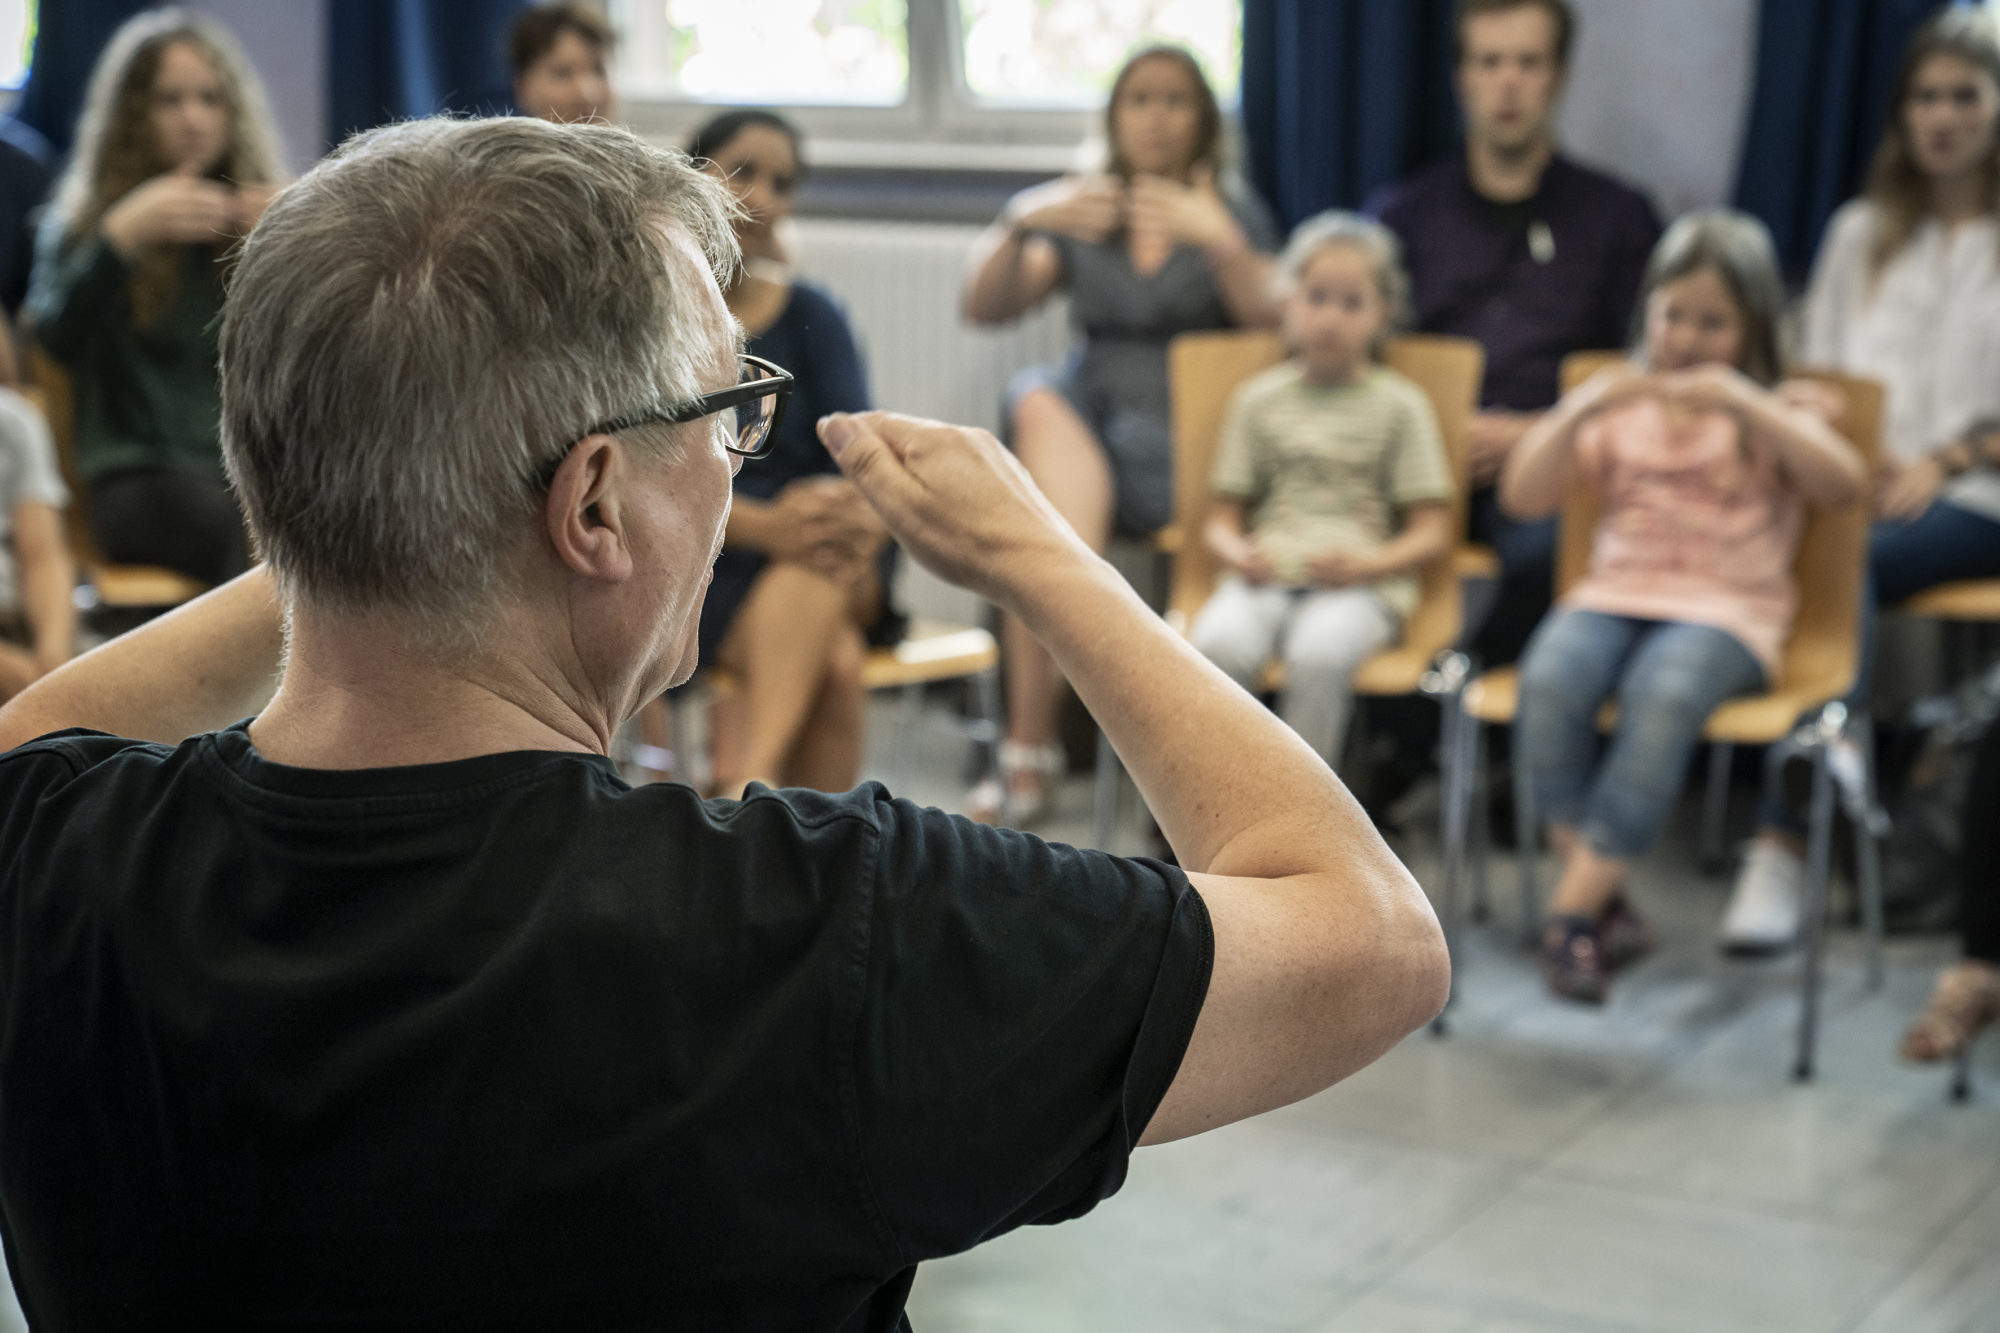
<point x="1940" y="545"/>
<point x="1668" y="677"/>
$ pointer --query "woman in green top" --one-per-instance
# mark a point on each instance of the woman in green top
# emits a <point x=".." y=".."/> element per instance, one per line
<point x="175" y="159"/>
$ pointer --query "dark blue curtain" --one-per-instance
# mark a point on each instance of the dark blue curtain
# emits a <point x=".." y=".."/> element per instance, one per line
<point x="1821" y="93"/>
<point x="69" y="36"/>
<point x="1342" y="97"/>
<point x="390" y="59"/>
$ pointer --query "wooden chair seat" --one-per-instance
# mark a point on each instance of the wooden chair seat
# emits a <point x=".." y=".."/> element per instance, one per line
<point x="1975" y="600"/>
<point x="129" y="587"/>
<point x="930" y="651"/>
<point x="139" y="586"/>
<point x="1757" y="719"/>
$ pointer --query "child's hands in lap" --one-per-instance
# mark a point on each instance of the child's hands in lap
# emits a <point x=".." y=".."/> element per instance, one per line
<point x="1342" y="569"/>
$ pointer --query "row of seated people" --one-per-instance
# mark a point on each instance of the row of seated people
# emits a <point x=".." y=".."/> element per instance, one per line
<point x="1512" y="244"/>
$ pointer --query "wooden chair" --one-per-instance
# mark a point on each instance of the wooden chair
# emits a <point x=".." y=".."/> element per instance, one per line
<point x="1963" y="608"/>
<point x="1203" y="371"/>
<point x="133" y="587"/>
<point x="929" y="652"/>
<point x="1816" y="672"/>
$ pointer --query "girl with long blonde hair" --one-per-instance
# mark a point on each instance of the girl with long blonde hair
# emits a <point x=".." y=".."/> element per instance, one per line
<point x="176" y="156"/>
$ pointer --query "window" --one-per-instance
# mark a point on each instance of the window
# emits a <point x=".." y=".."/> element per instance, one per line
<point x="794" y="52"/>
<point x="955" y="84"/>
<point x="17" y="41"/>
<point x="1066" y="52"/>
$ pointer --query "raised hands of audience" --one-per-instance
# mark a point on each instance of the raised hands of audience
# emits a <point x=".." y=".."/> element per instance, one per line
<point x="251" y="201"/>
<point x="1490" y="438"/>
<point x="1167" y="213"/>
<point x="1089" y="208"/>
<point x="1905" y="490"/>
<point x="181" y="208"/>
<point x="824" y="524"/>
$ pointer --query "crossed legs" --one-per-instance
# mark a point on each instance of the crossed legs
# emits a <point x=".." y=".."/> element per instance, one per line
<point x="798" y="718"/>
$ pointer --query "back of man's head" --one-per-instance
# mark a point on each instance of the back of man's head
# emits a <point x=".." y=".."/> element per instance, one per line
<point x="420" y="322"/>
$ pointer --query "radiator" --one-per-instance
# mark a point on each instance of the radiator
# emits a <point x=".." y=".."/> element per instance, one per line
<point x="899" y="283"/>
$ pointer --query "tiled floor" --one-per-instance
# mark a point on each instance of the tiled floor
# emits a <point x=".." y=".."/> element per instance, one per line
<point x="1649" y="1167"/>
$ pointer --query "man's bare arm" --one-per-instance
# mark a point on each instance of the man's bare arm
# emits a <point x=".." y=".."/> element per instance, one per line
<point x="199" y="667"/>
<point x="1326" y="951"/>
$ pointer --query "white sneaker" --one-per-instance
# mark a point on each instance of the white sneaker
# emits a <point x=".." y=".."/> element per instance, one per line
<point x="1765" y="906"/>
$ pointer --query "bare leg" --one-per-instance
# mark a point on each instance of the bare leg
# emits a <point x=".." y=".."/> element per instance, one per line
<point x="827" y="754"/>
<point x="784" y="636"/>
<point x="1589" y="882"/>
<point x="1069" y="465"/>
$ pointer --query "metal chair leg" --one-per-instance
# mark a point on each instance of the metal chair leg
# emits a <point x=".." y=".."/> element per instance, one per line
<point x="1818" y="859"/>
<point x="1711" y="851"/>
<point x="1480" y="831"/>
<point x="1451" y="834"/>
<point x="1870" y="826"/>
<point x="1526" y="852"/>
<point x="1105" y="794"/>
<point x="987" y="734"/>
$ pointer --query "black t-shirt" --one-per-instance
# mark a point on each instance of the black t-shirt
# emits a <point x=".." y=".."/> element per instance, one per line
<point x="504" y="1043"/>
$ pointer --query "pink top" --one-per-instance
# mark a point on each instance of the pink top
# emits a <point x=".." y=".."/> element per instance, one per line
<point x="1700" y="523"/>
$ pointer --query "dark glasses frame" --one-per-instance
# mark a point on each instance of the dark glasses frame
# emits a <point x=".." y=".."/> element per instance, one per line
<point x="777" y="381"/>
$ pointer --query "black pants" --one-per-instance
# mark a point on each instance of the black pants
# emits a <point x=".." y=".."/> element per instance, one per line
<point x="1527" y="551"/>
<point x="185" y="521"/>
<point x="1979" y="913"/>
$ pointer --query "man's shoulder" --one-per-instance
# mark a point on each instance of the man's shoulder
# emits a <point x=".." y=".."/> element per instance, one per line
<point x="1600" y="190"/>
<point x="72" y="751"/>
<point x="1438" y="185"/>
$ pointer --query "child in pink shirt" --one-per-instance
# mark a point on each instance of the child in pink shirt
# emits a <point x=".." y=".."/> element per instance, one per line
<point x="1706" y="466"/>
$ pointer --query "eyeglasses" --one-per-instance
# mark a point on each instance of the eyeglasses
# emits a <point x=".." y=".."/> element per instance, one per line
<point x="757" y="399"/>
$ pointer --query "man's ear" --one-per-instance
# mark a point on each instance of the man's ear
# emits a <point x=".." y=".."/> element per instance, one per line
<point x="584" y="512"/>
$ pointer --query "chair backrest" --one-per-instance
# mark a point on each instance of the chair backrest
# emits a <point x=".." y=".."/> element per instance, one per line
<point x="1204" y="369"/>
<point x="59" y="407"/>
<point x="1823" y="652"/>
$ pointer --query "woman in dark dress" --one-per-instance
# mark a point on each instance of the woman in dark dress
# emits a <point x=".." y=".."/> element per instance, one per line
<point x="801" y="589"/>
<point x="1155" y="246"/>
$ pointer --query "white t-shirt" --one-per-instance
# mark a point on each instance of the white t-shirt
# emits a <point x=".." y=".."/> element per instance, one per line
<point x="1927" y="326"/>
<point x="27" y="474"/>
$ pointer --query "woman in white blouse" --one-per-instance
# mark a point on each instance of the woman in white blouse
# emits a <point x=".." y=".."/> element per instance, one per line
<point x="1906" y="290"/>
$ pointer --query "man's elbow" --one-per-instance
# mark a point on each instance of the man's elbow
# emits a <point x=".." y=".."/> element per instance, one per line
<point x="1416" y="963"/>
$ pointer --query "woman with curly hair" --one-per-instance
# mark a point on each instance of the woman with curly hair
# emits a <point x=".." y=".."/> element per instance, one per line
<point x="176" y="156"/>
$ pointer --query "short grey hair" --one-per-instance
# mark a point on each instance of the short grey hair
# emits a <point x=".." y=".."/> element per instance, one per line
<point x="1737" y="248"/>
<point x="1375" y="242"/>
<point x="430" y="316"/>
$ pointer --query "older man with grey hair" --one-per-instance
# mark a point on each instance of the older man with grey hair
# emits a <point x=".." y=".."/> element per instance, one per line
<point x="392" y="1007"/>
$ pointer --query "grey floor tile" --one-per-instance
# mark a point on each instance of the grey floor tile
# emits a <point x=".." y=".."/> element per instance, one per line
<point x="1895" y="1164"/>
<point x="1559" y="1252"/>
<point x="1956" y="1289"/>
<point x="1386" y="1312"/>
<point x="1471" y="1092"/>
<point x="1251" y="1227"/>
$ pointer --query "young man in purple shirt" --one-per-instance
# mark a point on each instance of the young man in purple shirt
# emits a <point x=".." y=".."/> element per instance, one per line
<point x="1525" y="251"/>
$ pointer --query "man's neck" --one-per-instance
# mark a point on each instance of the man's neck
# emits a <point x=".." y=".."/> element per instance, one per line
<point x="357" y="695"/>
<point x="1508" y="175"/>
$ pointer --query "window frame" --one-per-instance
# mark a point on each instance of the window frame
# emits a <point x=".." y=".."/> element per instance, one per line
<point x="941" y="124"/>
